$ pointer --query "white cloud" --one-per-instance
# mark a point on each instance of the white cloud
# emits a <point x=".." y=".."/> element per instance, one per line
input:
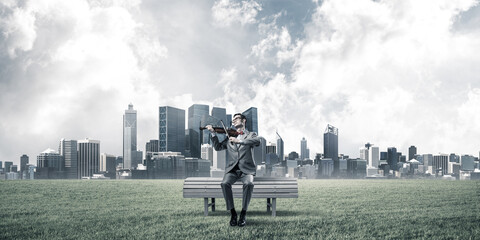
<point x="226" y="12"/>
<point x="391" y="72"/>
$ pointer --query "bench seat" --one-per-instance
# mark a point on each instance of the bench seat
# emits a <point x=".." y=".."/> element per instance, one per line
<point x="265" y="187"/>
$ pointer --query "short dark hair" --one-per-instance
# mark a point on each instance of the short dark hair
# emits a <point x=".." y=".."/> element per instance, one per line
<point x="241" y="116"/>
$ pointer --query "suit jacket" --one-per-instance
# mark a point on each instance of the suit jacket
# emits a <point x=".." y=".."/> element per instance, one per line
<point x="241" y="153"/>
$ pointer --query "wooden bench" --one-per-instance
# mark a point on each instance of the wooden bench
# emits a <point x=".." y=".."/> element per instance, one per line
<point x="265" y="187"/>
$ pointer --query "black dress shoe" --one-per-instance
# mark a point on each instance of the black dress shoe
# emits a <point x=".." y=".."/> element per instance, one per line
<point x="233" y="220"/>
<point x="241" y="221"/>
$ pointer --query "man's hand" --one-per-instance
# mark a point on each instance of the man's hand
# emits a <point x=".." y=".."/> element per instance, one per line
<point x="210" y="128"/>
<point x="234" y="140"/>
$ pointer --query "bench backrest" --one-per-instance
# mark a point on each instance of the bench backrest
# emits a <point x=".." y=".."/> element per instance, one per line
<point x="265" y="187"/>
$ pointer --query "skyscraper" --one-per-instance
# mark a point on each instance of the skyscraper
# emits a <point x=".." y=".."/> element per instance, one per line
<point x="412" y="151"/>
<point x="364" y="153"/>
<point x="107" y="165"/>
<point x="373" y="157"/>
<point x="392" y="158"/>
<point x="171" y="130"/>
<point x="330" y="146"/>
<point x="68" y="151"/>
<point x="88" y="157"/>
<point x="195" y="114"/>
<point x="152" y="146"/>
<point x="440" y="163"/>
<point x="303" y="149"/>
<point x="280" y="150"/>
<point x="129" y="137"/>
<point x="50" y="159"/>
<point x="7" y="166"/>
<point x="252" y="119"/>
<point x="23" y="163"/>
<point x="221" y="114"/>
<point x="50" y="165"/>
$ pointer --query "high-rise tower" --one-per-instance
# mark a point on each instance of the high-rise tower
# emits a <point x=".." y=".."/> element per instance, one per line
<point x="171" y="129"/>
<point x="88" y="157"/>
<point x="68" y="151"/>
<point x="330" y="146"/>
<point x="129" y="137"/>
<point x="280" y="149"/>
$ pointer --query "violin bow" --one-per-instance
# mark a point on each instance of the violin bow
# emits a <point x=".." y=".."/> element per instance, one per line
<point x="226" y="132"/>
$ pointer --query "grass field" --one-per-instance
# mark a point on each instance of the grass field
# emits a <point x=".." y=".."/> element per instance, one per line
<point x="155" y="209"/>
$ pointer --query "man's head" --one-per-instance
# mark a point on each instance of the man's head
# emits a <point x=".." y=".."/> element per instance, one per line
<point x="239" y="120"/>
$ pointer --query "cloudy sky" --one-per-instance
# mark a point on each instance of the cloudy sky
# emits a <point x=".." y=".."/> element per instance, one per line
<point x="389" y="72"/>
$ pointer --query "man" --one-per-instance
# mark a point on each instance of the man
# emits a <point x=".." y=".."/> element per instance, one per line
<point x="240" y="165"/>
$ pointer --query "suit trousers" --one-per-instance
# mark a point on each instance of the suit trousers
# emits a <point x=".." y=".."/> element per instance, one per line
<point x="229" y="179"/>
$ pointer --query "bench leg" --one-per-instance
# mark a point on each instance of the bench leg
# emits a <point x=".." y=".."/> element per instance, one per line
<point x="274" y="206"/>
<point x="213" y="204"/>
<point x="205" y="204"/>
<point x="268" y="204"/>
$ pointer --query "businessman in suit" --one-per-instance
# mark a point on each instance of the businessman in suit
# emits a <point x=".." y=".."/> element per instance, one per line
<point x="240" y="165"/>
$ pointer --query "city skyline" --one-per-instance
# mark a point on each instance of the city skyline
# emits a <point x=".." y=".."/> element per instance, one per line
<point x="400" y="74"/>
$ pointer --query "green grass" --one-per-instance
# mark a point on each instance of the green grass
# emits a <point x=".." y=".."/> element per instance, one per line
<point x="155" y="209"/>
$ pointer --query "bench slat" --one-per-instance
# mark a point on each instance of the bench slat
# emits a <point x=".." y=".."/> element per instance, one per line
<point x="238" y="186"/>
<point x="240" y="183"/>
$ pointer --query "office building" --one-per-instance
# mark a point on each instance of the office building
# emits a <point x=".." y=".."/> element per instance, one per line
<point x="392" y="158"/>
<point x="252" y="119"/>
<point x="219" y="159"/>
<point x="166" y="165"/>
<point x="23" y="163"/>
<point x="260" y="152"/>
<point x="50" y="159"/>
<point x="330" y="147"/>
<point x="303" y="149"/>
<point x="8" y="165"/>
<point x="50" y="165"/>
<point x="271" y="148"/>
<point x="89" y="157"/>
<point x="357" y="168"/>
<point x="68" y="150"/>
<point x="129" y="138"/>
<point x="364" y="153"/>
<point x="293" y="155"/>
<point x="412" y="151"/>
<point x="108" y="165"/>
<point x="152" y="146"/>
<point x="207" y="152"/>
<point x="373" y="157"/>
<point x="280" y="148"/>
<point x="325" y="168"/>
<point x="195" y="167"/>
<point x="220" y="114"/>
<point x="197" y="113"/>
<point x="427" y="160"/>
<point x="440" y="164"/>
<point x="171" y="130"/>
<point x="467" y="163"/>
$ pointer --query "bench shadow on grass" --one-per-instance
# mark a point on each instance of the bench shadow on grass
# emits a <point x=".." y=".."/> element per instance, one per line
<point x="253" y="213"/>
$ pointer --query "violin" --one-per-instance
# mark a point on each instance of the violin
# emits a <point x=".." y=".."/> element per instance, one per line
<point x="231" y="132"/>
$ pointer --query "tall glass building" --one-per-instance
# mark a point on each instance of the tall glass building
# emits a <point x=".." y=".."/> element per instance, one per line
<point x="303" y="149"/>
<point x="196" y="113"/>
<point x="171" y="130"/>
<point x="221" y="114"/>
<point x="252" y="119"/>
<point x="330" y="147"/>
<point x="23" y="163"/>
<point x="88" y="157"/>
<point x="280" y="146"/>
<point x="129" y="136"/>
<point x="392" y="158"/>
<point x="68" y="151"/>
